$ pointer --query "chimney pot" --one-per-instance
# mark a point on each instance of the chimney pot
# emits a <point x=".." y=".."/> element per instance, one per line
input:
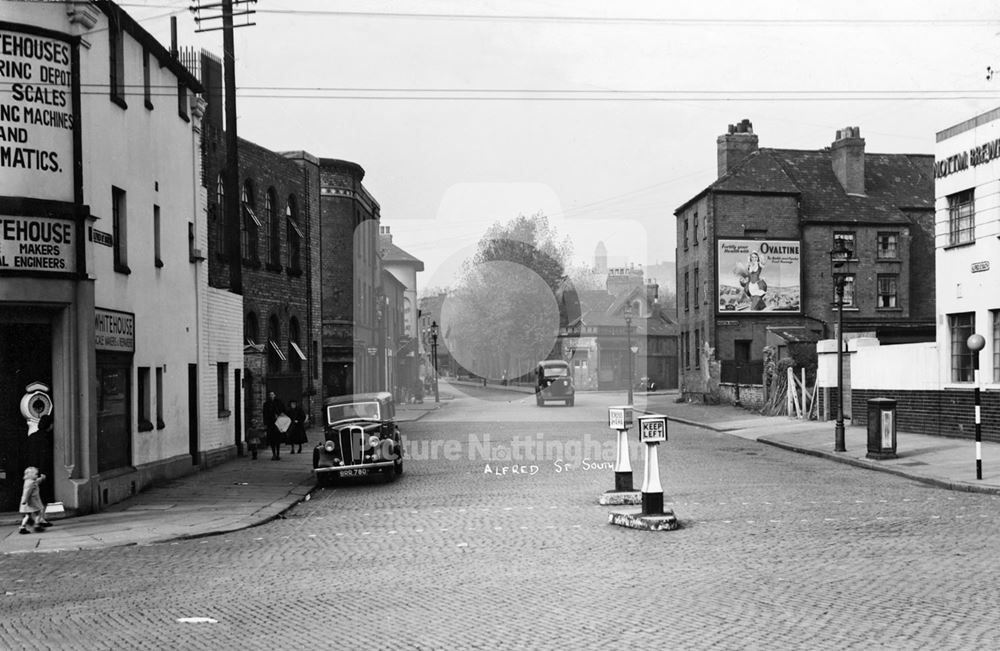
<point x="734" y="146"/>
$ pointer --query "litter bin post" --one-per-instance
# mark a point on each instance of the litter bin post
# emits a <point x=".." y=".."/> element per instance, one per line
<point x="881" y="428"/>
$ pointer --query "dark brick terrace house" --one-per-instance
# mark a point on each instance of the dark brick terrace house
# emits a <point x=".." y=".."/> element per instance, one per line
<point x="785" y="208"/>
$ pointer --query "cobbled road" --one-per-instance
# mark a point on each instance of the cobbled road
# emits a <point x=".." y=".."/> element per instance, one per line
<point x="493" y="539"/>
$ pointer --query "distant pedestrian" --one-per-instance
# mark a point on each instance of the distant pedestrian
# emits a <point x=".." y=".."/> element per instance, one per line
<point x="296" y="434"/>
<point x="273" y="408"/>
<point x="31" y="501"/>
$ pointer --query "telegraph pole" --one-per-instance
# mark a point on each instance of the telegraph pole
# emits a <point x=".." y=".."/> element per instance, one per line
<point x="231" y="210"/>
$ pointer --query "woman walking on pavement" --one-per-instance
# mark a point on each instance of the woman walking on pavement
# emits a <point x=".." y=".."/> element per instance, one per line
<point x="273" y="407"/>
<point x="297" y="430"/>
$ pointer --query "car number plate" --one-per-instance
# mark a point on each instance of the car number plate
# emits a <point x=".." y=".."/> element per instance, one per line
<point x="354" y="472"/>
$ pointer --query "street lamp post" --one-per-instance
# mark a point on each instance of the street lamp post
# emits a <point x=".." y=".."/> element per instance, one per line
<point x="975" y="344"/>
<point x="434" y="354"/>
<point x="841" y="258"/>
<point x="628" y="338"/>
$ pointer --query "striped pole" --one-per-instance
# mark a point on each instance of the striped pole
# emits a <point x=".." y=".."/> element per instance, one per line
<point x="975" y="344"/>
<point x="979" y="427"/>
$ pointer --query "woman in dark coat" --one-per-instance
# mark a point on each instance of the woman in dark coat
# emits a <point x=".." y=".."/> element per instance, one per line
<point x="273" y="408"/>
<point x="297" y="430"/>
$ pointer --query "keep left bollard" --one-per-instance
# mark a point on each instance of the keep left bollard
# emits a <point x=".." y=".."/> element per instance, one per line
<point x="653" y="517"/>
<point x="620" y="419"/>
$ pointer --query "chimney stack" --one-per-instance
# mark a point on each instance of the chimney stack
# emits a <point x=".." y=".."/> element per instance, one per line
<point x="848" y="157"/>
<point x="736" y="145"/>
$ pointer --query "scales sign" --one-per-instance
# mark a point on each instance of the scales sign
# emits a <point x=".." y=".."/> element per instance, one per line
<point x="758" y="276"/>
<point x="36" y="116"/>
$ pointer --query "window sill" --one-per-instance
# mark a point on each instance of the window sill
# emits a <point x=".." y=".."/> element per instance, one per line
<point x="889" y="309"/>
<point x="959" y="245"/>
<point x="888" y="260"/>
<point x="145" y="426"/>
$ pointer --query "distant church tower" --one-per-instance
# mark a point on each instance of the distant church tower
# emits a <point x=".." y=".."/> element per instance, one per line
<point x="601" y="259"/>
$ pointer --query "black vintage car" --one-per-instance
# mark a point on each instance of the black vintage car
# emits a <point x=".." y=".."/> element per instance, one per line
<point x="361" y="438"/>
<point x="554" y="382"/>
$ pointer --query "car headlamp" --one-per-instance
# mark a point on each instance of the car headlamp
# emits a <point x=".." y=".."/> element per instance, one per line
<point x="330" y="447"/>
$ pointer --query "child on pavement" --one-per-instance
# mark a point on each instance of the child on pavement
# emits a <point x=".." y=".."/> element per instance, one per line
<point x="31" y="501"/>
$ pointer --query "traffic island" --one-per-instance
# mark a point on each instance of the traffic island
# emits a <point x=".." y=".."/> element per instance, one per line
<point x="665" y="521"/>
<point x="653" y="517"/>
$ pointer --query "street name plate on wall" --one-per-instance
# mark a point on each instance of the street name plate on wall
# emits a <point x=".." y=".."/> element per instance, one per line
<point x="980" y="266"/>
<point x="652" y="428"/>
<point x="114" y="331"/>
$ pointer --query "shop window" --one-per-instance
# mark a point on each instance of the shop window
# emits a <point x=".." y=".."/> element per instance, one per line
<point x="961" y="218"/>
<point x="142" y="392"/>
<point x="961" y="327"/>
<point x="888" y="244"/>
<point x="222" y="388"/>
<point x="888" y="290"/>
<point x="119" y="230"/>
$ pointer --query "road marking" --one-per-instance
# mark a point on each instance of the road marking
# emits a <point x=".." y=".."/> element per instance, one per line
<point x="197" y="620"/>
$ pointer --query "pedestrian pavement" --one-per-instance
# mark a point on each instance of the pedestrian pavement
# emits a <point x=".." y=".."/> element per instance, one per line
<point x="245" y="492"/>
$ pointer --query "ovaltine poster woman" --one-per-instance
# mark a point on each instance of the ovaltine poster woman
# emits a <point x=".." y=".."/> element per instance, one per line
<point x="754" y="286"/>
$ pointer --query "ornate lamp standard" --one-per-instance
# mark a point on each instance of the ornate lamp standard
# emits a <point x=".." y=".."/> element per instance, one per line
<point x="628" y="339"/>
<point x="434" y="355"/>
<point x="841" y="260"/>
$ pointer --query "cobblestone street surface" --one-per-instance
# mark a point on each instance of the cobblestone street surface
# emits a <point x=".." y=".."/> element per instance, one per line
<point x="776" y="551"/>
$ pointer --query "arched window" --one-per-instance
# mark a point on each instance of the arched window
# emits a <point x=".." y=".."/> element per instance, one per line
<point x="294" y="235"/>
<point x="295" y="354"/>
<point x="251" y="224"/>
<point x="220" y="213"/>
<point x="272" y="228"/>
<point x="275" y="355"/>
<point x="251" y="334"/>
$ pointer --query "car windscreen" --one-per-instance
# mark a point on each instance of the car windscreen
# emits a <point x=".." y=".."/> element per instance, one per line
<point x="556" y="371"/>
<point x="353" y="410"/>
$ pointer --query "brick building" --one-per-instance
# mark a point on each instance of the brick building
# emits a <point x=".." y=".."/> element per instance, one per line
<point x="353" y="296"/>
<point x="773" y="215"/>
<point x="279" y="258"/>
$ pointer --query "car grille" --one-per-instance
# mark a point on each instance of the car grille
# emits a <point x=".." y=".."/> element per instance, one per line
<point x="352" y="444"/>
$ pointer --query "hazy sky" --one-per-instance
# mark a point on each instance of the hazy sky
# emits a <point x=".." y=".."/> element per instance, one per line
<point x="602" y="115"/>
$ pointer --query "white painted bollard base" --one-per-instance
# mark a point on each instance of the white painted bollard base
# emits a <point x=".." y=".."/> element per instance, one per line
<point x="616" y="498"/>
<point x="665" y="521"/>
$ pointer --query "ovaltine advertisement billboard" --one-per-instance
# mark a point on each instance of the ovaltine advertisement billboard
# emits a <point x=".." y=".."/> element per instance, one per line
<point x="758" y="276"/>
